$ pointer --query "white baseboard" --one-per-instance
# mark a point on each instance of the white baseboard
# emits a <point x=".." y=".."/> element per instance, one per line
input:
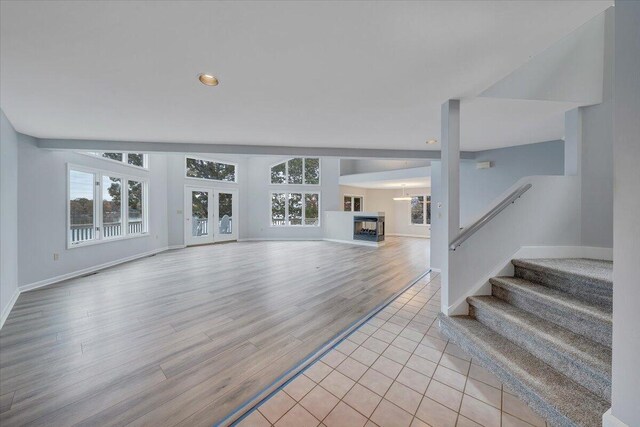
<point x="280" y="239"/>
<point x="67" y="276"/>
<point x="565" y="252"/>
<point x="608" y="420"/>
<point x="357" y="242"/>
<point x="420" y="236"/>
<point x="7" y="309"/>
<point x="172" y="247"/>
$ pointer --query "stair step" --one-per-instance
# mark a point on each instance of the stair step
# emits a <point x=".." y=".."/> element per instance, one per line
<point x="555" y="397"/>
<point x="587" y="319"/>
<point x="588" y="279"/>
<point x="584" y="361"/>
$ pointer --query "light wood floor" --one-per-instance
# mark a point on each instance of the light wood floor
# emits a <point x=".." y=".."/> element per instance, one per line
<point x="184" y="337"/>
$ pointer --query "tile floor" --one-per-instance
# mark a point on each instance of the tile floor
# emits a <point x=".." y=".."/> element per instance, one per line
<point x="396" y="370"/>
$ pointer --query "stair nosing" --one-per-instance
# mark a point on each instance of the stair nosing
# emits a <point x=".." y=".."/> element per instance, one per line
<point x="531" y="264"/>
<point x="595" y="365"/>
<point x="553" y="403"/>
<point x="592" y="311"/>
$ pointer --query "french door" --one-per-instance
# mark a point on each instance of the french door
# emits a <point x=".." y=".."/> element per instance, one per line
<point x="211" y="215"/>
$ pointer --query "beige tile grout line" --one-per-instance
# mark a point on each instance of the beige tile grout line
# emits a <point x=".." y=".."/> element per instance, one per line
<point x="379" y="355"/>
<point x="249" y="407"/>
<point x="355" y="382"/>
<point x="398" y="334"/>
<point x="334" y="369"/>
<point x="370" y="367"/>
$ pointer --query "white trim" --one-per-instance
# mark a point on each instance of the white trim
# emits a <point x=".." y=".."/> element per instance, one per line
<point x="107" y="240"/>
<point x="286" y="209"/>
<point x="77" y="273"/>
<point x="172" y="247"/>
<point x="67" y="276"/>
<point x="189" y="239"/>
<point x="609" y="420"/>
<point x="421" y="236"/>
<point x="565" y="252"/>
<point x="362" y="209"/>
<point x="357" y="242"/>
<point x="7" y="309"/>
<point x="98" y="175"/>
<point x="189" y="156"/>
<point x="213" y="208"/>
<point x="505" y="268"/>
<point x="125" y="158"/>
<point x="286" y="171"/>
<point x="424" y="209"/>
<point x="281" y="239"/>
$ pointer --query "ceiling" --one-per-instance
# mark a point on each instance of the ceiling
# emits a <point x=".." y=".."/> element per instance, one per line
<point x="395" y="184"/>
<point x="305" y="74"/>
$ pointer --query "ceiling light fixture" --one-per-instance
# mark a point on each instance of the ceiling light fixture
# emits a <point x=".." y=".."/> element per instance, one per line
<point x="432" y="141"/>
<point x="404" y="196"/>
<point x="208" y="80"/>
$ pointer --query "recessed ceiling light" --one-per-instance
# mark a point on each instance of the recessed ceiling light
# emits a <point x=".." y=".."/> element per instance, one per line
<point x="208" y="80"/>
<point x="432" y="141"/>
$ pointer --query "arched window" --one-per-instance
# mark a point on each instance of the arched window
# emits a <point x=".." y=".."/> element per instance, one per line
<point x="298" y="170"/>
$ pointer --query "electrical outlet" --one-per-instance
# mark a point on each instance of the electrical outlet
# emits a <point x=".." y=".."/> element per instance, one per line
<point x="179" y="211"/>
<point x="56" y="256"/>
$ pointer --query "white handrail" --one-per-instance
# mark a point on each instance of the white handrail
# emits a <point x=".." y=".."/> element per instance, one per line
<point x="470" y="230"/>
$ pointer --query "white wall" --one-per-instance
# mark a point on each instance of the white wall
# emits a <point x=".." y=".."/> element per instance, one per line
<point x="176" y="181"/>
<point x="42" y="213"/>
<point x="544" y="216"/>
<point x="626" y="210"/>
<point x="354" y="166"/>
<point x="396" y="212"/>
<point x="8" y="215"/>
<point x="353" y="191"/>
<point x="259" y="190"/>
<point x="480" y="187"/>
<point x="597" y="155"/>
<point x="254" y="186"/>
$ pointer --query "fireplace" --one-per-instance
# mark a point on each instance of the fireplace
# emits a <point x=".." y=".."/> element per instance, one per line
<point x="369" y="228"/>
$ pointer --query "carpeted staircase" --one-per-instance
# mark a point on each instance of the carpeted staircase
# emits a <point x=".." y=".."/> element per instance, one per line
<point x="546" y="333"/>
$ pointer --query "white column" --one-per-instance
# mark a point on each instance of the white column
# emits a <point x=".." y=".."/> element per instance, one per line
<point x="625" y="374"/>
<point x="573" y="142"/>
<point x="450" y="188"/>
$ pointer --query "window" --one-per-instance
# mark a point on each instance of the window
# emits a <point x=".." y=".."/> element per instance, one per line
<point x="136" y="159"/>
<point x="135" y="207"/>
<point x="300" y="171"/>
<point x="311" y="209"/>
<point x="140" y="160"/>
<point x="111" y="206"/>
<point x="211" y="170"/>
<point x="82" y="224"/>
<point x="278" y="208"/>
<point x="420" y="210"/>
<point x="295" y="209"/>
<point x="295" y="171"/>
<point x="110" y="218"/>
<point x="118" y="157"/>
<point x="353" y="203"/>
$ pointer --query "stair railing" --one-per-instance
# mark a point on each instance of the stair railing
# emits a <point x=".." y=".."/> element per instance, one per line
<point x="484" y="219"/>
